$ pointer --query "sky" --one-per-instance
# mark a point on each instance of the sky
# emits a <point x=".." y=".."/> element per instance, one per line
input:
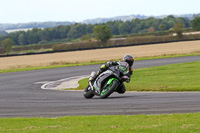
<point x="23" y="11"/>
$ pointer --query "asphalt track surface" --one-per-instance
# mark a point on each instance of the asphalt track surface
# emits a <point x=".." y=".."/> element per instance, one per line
<point x="21" y="95"/>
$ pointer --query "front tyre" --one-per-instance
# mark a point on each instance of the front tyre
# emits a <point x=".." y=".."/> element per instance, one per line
<point x="88" y="93"/>
<point x="109" y="89"/>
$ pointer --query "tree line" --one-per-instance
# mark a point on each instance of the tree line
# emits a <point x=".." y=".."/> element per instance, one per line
<point x="74" y="31"/>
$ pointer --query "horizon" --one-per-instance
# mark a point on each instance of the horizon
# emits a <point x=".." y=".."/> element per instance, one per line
<point x="23" y="11"/>
<point x="103" y="18"/>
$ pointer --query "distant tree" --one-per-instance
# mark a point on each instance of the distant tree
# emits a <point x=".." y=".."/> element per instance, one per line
<point x="196" y="23"/>
<point x="73" y="33"/>
<point x="143" y="31"/>
<point x="22" y="40"/>
<point x="185" y="21"/>
<point x="102" y="32"/>
<point x="7" y="45"/>
<point x="46" y="34"/>
<point x="64" y="31"/>
<point x="33" y="36"/>
<point x="151" y="29"/>
<point x="162" y="27"/>
<point x="114" y="25"/>
<point x="170" y="21"/>
<point x="171" y="29"/>
<point x="140" y="27"/>
<point x="179" y="28"/>
<point x="14" y="37"/>
<point x="86" y="37"/>
<point x="123" y="28"/>
<point x="76" y="31"/>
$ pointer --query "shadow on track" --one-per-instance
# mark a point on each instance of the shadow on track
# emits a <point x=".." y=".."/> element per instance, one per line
<point x="115" y="97"/>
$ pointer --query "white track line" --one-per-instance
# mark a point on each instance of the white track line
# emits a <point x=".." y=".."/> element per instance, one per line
<point x="62" y="80"/>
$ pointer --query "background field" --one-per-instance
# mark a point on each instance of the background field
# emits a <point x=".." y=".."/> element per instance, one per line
<point x="99" y="54"/>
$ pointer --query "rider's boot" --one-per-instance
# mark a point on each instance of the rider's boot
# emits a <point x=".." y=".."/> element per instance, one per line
<point x="93" y="76"/>
<point x="121" y="89"/>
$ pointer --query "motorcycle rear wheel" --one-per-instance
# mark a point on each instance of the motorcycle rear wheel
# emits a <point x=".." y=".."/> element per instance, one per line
<point x="88" y="93"/>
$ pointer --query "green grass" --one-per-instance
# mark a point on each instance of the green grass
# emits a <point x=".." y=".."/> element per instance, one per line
<point x="176" y="77"/>
<point x="30" y="51"/>
<point x="175" y="123"/>
<point x="65" y="64"/>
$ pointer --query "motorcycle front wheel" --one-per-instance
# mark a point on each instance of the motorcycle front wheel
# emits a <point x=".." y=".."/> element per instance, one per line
<point x="88" y="93"/>
<point x="109" y="89"/>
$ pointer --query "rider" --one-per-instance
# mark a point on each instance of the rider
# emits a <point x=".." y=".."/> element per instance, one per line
<point x="127" y="58"/>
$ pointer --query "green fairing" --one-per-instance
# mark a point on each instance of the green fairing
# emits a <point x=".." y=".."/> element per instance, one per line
<point x="110" y="81"/>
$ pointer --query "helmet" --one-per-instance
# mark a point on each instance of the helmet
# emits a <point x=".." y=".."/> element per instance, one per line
<point x="129" y="59"/>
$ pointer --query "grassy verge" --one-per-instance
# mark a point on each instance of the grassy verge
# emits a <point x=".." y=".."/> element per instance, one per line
<point x="168" y="56"/>
<point x="177" y="123"/>
<point x="176" y="77"/>
<point x="53" y="65"/>
<point x="65" y="64"/>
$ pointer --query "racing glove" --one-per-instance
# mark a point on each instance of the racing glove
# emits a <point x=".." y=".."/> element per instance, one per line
<point x="109" y="63"/>
<point x="126" y="79"/>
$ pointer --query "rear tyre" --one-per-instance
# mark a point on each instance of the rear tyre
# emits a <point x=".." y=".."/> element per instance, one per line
<point x="109" y="89"/>
<point x="88" y="93"/>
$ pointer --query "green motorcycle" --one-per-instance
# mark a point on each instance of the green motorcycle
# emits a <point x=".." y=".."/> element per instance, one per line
<point x="107" y="82"/>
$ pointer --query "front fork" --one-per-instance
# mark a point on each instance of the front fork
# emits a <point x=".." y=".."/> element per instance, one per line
<point x="91" y="85"/>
